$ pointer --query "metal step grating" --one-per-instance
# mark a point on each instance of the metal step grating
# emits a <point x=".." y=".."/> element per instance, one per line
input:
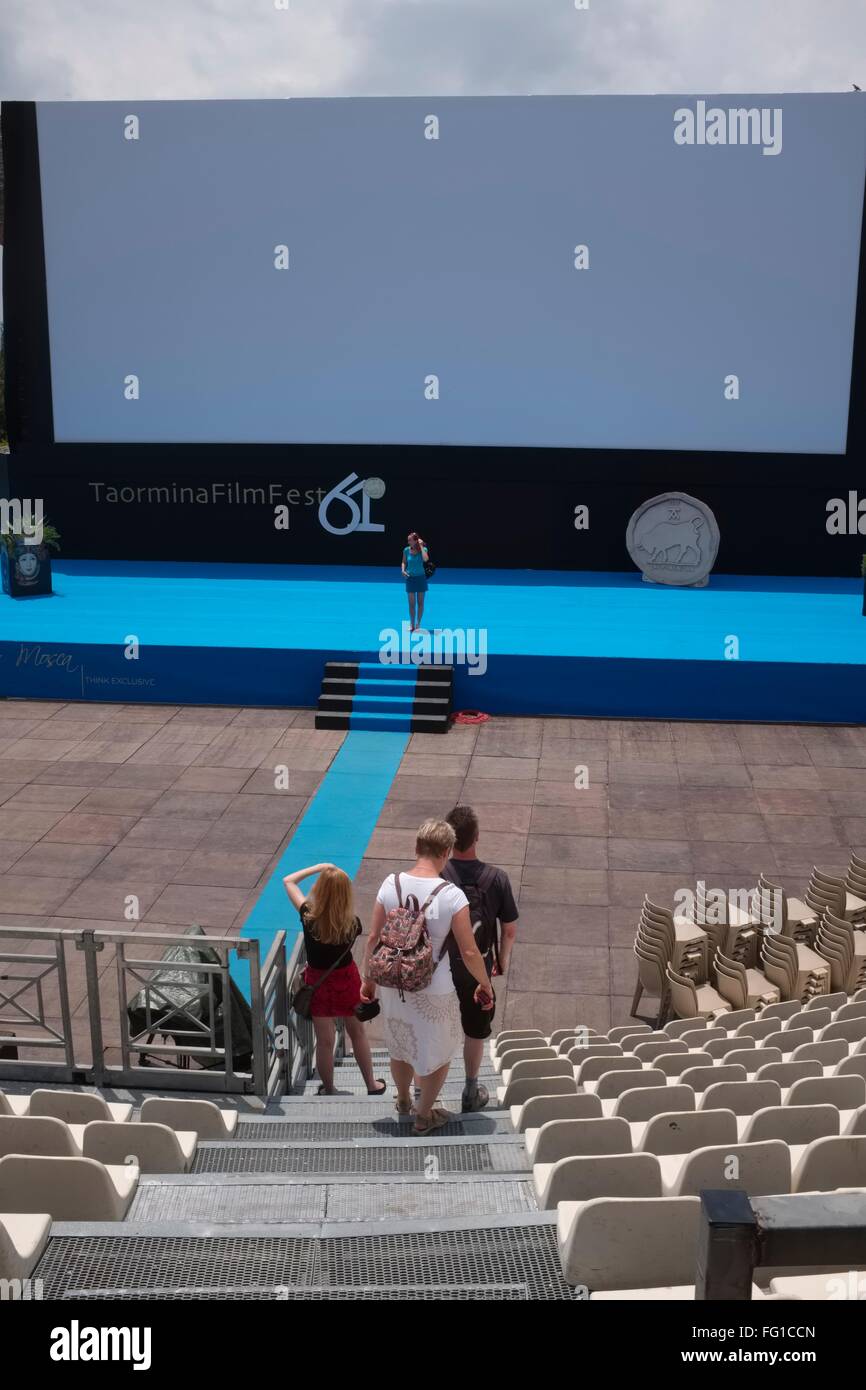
<point x="228" y="1204"/>
<point x="285" y="1203"/>
<point x="429" y="1201"/>
<point x="349" y="1088"/>
<point x="325" y="1131"/>
<point x="313" y="1110"/>
<point x="317" y="1161"/>
<point x="503" y="1262"/>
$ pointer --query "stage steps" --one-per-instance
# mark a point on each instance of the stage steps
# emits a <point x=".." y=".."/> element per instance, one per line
<point x="374" y="695"/>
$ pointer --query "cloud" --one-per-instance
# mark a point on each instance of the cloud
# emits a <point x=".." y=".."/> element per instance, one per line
<point x="157" y="49"/>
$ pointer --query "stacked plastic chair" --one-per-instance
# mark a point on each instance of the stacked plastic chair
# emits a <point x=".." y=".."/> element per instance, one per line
<point x="844" y="950"/>
<point x="797" y="971"/>
<point x="690" y="998"/>
<point x="741" y="987"/>
<point x="855" y="884"/>
<point x="660" y="942"/>
<point x="827" y="893"/>
<point x="787" y="916"/>
<point x="732" y="930"/>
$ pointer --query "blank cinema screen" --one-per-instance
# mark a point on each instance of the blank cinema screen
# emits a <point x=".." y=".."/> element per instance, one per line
<point x="605" y="272"/>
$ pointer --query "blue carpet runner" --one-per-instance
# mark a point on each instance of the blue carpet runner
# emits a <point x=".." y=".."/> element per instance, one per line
<point x="336" y="828"/>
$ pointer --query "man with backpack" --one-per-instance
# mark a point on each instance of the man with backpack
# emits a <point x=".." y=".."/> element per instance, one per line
<point x="493" y="913"/>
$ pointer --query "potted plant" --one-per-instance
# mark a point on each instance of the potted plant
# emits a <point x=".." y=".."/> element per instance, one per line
<point x="26" y="569"/>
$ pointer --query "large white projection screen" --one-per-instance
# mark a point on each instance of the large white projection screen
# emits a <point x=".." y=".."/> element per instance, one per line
<point x="607" y="272"/>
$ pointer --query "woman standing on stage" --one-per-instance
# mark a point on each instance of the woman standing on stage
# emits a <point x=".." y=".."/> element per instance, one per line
<point x="415" y="557"/>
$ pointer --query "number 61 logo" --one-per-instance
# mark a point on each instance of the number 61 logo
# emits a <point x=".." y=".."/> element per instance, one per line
<point x="344" y="493"/>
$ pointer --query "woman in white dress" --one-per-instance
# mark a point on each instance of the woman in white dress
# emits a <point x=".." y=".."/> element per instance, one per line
<point x="422" y="1030"/>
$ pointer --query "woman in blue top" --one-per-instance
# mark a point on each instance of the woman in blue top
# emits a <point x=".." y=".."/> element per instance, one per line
<point x="414" y="558"/>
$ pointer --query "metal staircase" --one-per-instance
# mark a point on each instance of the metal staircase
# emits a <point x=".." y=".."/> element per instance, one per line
<point x="328" y="1198"/>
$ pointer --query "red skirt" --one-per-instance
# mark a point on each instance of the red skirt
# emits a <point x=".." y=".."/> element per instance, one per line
<point x="337" y="997"/>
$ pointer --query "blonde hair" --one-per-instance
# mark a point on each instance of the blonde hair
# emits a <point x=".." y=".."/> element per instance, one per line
<point x="332" y="907"/>
<point x="435" y="839"/>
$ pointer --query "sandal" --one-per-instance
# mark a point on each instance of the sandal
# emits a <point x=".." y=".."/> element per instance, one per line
<point x="379" y="1088"/>
<point x="436" y="1119"/>
<point x="403" y="1107"/>
<point x="325" y="1090"/>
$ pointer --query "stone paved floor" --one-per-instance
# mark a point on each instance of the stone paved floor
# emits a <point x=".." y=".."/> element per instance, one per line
<point x="179" y="807"/>
<point x="175" y="806"/>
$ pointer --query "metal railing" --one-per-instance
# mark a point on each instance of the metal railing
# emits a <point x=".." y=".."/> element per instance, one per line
<point x="187" y="1020"/>
<point x="301" y="1048"/>
<point x="738" y="1234"/>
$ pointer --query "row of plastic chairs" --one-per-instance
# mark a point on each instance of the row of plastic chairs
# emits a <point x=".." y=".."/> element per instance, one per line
<point x="208" y="1120"/>
<point x="153" y="1148"/>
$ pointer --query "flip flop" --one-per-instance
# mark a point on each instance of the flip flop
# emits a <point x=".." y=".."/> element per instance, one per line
<point x="380" y="1088"/>
<point x="324" y="1091"/>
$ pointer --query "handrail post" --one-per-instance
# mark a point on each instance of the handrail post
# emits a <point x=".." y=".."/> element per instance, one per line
<point x="727" y="1246"/>
<point x="90" y="946"/>
<point x="259" y="1022"/>
<point x="281" y="1016"/>
<point x="65" y="1011"/>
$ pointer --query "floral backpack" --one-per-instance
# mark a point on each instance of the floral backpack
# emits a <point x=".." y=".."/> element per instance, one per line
<point x="403" y="958"/>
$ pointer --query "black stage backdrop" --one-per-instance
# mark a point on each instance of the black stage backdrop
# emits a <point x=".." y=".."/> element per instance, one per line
<point x="508" y="508"/>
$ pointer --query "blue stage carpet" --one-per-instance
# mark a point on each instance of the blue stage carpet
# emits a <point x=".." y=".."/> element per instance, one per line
<point x="554" y="642"/>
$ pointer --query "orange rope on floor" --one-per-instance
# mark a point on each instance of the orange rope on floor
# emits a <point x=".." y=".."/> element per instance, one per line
<point x="470" y="716"/>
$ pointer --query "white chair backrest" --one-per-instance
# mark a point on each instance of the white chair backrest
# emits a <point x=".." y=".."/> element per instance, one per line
<point x="831" y="1163"/>
<point x="788" y="1039"/>
<point x="753" y="1058"/>
<point x="763" y="1169"/>
<point x="703" y="1077"/>
<point x="550" y="1066"/>
<point x="632" y="1243"/>
<point x="845" y="1092"/>
<point x="37" y="1134"/>
<point x="851" y="1029"/>
<point x="574" y="1138"/>
<point x="743" y="1097"/>
<point x="68" y="1189"/>
<point x="794" y="1124"/>
<point x="516" y="1092"/>
<point x="622" y="1031"/>
<point x="644" y="1102"/>
<point x="786" y="1073"/>
<point x="827" y="1053"/>
<point x="682" y="1133"/>
<point x="594" y="1067"/>
<point x="73" y="1107"/>
<point x="575" y="1105"/>
<point x="612" y="1085"/>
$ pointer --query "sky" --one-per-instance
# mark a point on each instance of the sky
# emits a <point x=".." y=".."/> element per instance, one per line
<point x="117" y="49"/>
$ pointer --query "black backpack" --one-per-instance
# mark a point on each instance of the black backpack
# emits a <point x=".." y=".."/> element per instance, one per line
<point x="482" y="909"/>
